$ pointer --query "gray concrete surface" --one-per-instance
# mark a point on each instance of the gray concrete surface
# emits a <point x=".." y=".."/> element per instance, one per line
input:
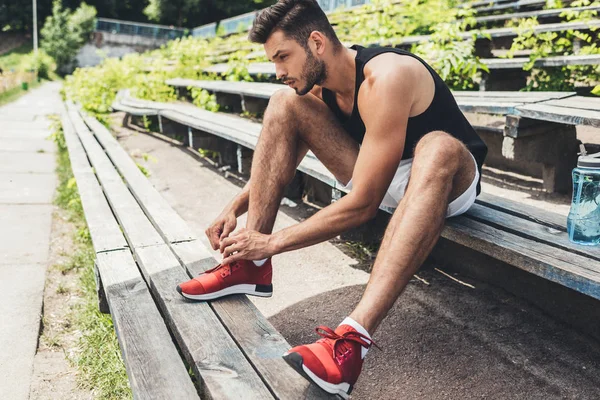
<point x="27" y="185"/>
<point x="440" y="341"/>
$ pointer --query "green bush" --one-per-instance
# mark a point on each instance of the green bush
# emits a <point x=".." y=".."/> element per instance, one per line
<point x="41" y="62"/>
<point x="65" y="32"/>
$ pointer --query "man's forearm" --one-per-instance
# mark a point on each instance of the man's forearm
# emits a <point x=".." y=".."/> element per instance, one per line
<point x="334" y="219"/>
<point x="239" y="204"/>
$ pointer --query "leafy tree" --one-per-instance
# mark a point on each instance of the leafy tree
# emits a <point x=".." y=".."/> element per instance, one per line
<point x="192" y="13"/>
<point x="65" y="32"/>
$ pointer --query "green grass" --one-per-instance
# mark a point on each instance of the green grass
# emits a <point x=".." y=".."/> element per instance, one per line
<point x="16" y="92"/>
<point x="98" y="357"/>
<point x="13" y="59"/>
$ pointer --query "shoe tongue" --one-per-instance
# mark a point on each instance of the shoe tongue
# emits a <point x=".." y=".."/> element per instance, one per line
<point x="340" y="330"/>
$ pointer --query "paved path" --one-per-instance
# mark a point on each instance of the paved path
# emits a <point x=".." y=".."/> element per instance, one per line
<point x="27" y="185"/>
<point x="442" y="341"/>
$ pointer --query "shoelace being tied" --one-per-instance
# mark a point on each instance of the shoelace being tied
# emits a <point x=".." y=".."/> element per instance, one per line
<point x="341" y="345"/>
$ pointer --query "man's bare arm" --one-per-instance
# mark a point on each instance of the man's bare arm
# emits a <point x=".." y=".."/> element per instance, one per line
<point x="385" y="102"/>
<point x="226" y="222"/>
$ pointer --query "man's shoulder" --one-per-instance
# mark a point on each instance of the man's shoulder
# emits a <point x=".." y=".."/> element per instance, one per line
<point x="391" y="66"/>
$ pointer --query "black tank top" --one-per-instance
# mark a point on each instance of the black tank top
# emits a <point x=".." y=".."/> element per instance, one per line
<point x="442" y="114"/>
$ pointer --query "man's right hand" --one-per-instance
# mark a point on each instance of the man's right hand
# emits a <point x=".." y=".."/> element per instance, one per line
<point x="221" y="228"/>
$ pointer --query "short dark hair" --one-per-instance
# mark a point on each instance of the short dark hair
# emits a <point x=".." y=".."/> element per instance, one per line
<point x="295" y="18"/>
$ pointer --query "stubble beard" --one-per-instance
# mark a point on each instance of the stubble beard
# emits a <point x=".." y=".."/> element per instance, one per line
<point x="314" y="73"/>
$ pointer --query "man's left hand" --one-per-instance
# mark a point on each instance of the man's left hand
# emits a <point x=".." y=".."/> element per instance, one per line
<point x="246" y="245"/>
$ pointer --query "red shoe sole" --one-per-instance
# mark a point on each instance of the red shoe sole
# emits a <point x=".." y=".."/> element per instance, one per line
<point x="295" y="361"/>
<point x="253" y="290"/>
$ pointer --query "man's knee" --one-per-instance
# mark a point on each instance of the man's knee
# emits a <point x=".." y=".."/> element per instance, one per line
<point x="442" y="152"/>
<point x="283" y="102"/>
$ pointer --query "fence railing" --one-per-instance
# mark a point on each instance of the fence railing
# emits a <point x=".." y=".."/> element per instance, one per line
<point x="138" y="29"/>
<point x="243" y="22"/>
<point x="11" y="80"/>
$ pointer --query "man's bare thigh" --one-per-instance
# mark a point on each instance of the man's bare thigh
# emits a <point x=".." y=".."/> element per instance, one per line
<point x="319" y="129"/>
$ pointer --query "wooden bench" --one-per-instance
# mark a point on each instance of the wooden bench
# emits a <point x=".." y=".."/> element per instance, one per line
<point x="505" y="73"/>
<point x="530" y="144"/>
<point x="507" y="232"/>
<point x="143" y="250"/>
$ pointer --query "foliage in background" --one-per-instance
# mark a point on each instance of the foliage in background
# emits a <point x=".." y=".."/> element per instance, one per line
<point x="450" y="55"/>
<point x="551" y="44"/>
<point x="40" y="62"/>
<point x="203" y="99"/>
<point x="65" y="32"/>
<point x="98" y="356"/>
<point x="193" y="13"/>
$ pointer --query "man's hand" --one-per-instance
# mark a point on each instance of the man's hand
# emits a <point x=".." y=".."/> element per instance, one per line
<point x="221" y="228"/>
<point x="247" y="245"/>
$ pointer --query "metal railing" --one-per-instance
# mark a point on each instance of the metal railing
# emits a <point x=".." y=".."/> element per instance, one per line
<point x="244" y="22"/>
<point x="205" y="30"/>
<point x="138" y="29"/>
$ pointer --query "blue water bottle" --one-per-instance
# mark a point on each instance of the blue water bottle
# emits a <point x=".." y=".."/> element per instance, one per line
<point x="583" y="222"/>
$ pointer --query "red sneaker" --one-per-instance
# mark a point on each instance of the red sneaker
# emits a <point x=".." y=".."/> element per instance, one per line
<point x="239" y="277"/>
<point x="332" y="363"/>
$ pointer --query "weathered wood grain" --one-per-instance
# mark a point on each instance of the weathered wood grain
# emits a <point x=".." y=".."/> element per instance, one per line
<point x="137" y="228"/>
<point x="155" y="206"/>
<point x="217" y="361"/>
<point x="571" y="116"/>
<point x="535" y="214"/>
<point x="533" y="231"/>
<point x="258" y="339"/>
<point x="104" y="230"/>
<point x="154" y="367"/>
<point x="540" y="259"/>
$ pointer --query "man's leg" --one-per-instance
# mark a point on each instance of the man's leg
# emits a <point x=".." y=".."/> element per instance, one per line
<point x="442" y="170"/>
<point x="291" y="126"/>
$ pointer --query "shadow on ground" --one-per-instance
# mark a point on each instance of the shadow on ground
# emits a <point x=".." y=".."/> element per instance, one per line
<point x="448" y="341"/>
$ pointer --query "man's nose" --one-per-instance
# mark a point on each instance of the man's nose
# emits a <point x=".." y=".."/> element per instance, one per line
<point x="280" y="72"/>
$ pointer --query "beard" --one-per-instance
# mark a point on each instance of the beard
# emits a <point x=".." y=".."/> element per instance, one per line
<point x="314" y="72"/>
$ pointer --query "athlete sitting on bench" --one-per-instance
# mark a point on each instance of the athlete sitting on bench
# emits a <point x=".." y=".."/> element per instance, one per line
<point x="388" y="128"/>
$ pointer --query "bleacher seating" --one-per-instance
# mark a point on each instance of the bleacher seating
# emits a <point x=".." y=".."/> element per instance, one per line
<point x="521" y="236"/>
<point x="233" y="351"/>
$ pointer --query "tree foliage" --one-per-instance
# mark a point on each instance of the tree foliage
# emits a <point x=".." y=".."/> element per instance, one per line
<point x="193" y="13"/>
<point x="65" y="32"/>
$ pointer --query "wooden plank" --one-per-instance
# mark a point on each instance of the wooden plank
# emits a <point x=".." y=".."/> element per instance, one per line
<point x="220" y="366"/>
<point x="238" y="130"/>
<point x="512" y="95"/>
<point x="79" y="161"/>
<point x="258" y="339"/>
<point x="531" y="230"/>
<point x="136" y="226"/>
<point x="138" y="112"/>
<point x="563" y="115"/>
<point x="155" y="206"/>
<point x="558" y="61"/>
<point x="486" y="107"/>
<point x="539" y="259"/>
<point x="155" y="369"/>
<point x="540" y="14"/>
<point x="104" y="230"/>
<point x="252" y="89"/>
<point x="578" y="102"/>
<point x="222" y="369"/>
<point x="215" y="358"/>
<point x="525" y="211"/>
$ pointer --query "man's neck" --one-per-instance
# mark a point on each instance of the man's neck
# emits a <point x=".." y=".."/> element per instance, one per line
<point x="341" y="73"/>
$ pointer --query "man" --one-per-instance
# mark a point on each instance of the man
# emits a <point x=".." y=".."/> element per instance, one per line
<point x="375" y="118"/>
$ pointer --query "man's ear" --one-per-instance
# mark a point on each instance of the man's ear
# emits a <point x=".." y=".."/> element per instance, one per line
<point x="319" y="41"/>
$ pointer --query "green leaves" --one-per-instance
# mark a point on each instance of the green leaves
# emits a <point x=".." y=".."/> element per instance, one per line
<point x="64" y="33"/>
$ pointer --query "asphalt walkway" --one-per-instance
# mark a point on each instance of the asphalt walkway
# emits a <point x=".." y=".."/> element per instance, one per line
<point x="27" y="185"/>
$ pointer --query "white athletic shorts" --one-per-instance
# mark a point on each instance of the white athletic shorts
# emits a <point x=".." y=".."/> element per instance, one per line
<point x="395" y="192"/>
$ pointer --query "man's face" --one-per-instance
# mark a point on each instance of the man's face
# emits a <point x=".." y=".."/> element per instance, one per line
<point x="296" y="66"/>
